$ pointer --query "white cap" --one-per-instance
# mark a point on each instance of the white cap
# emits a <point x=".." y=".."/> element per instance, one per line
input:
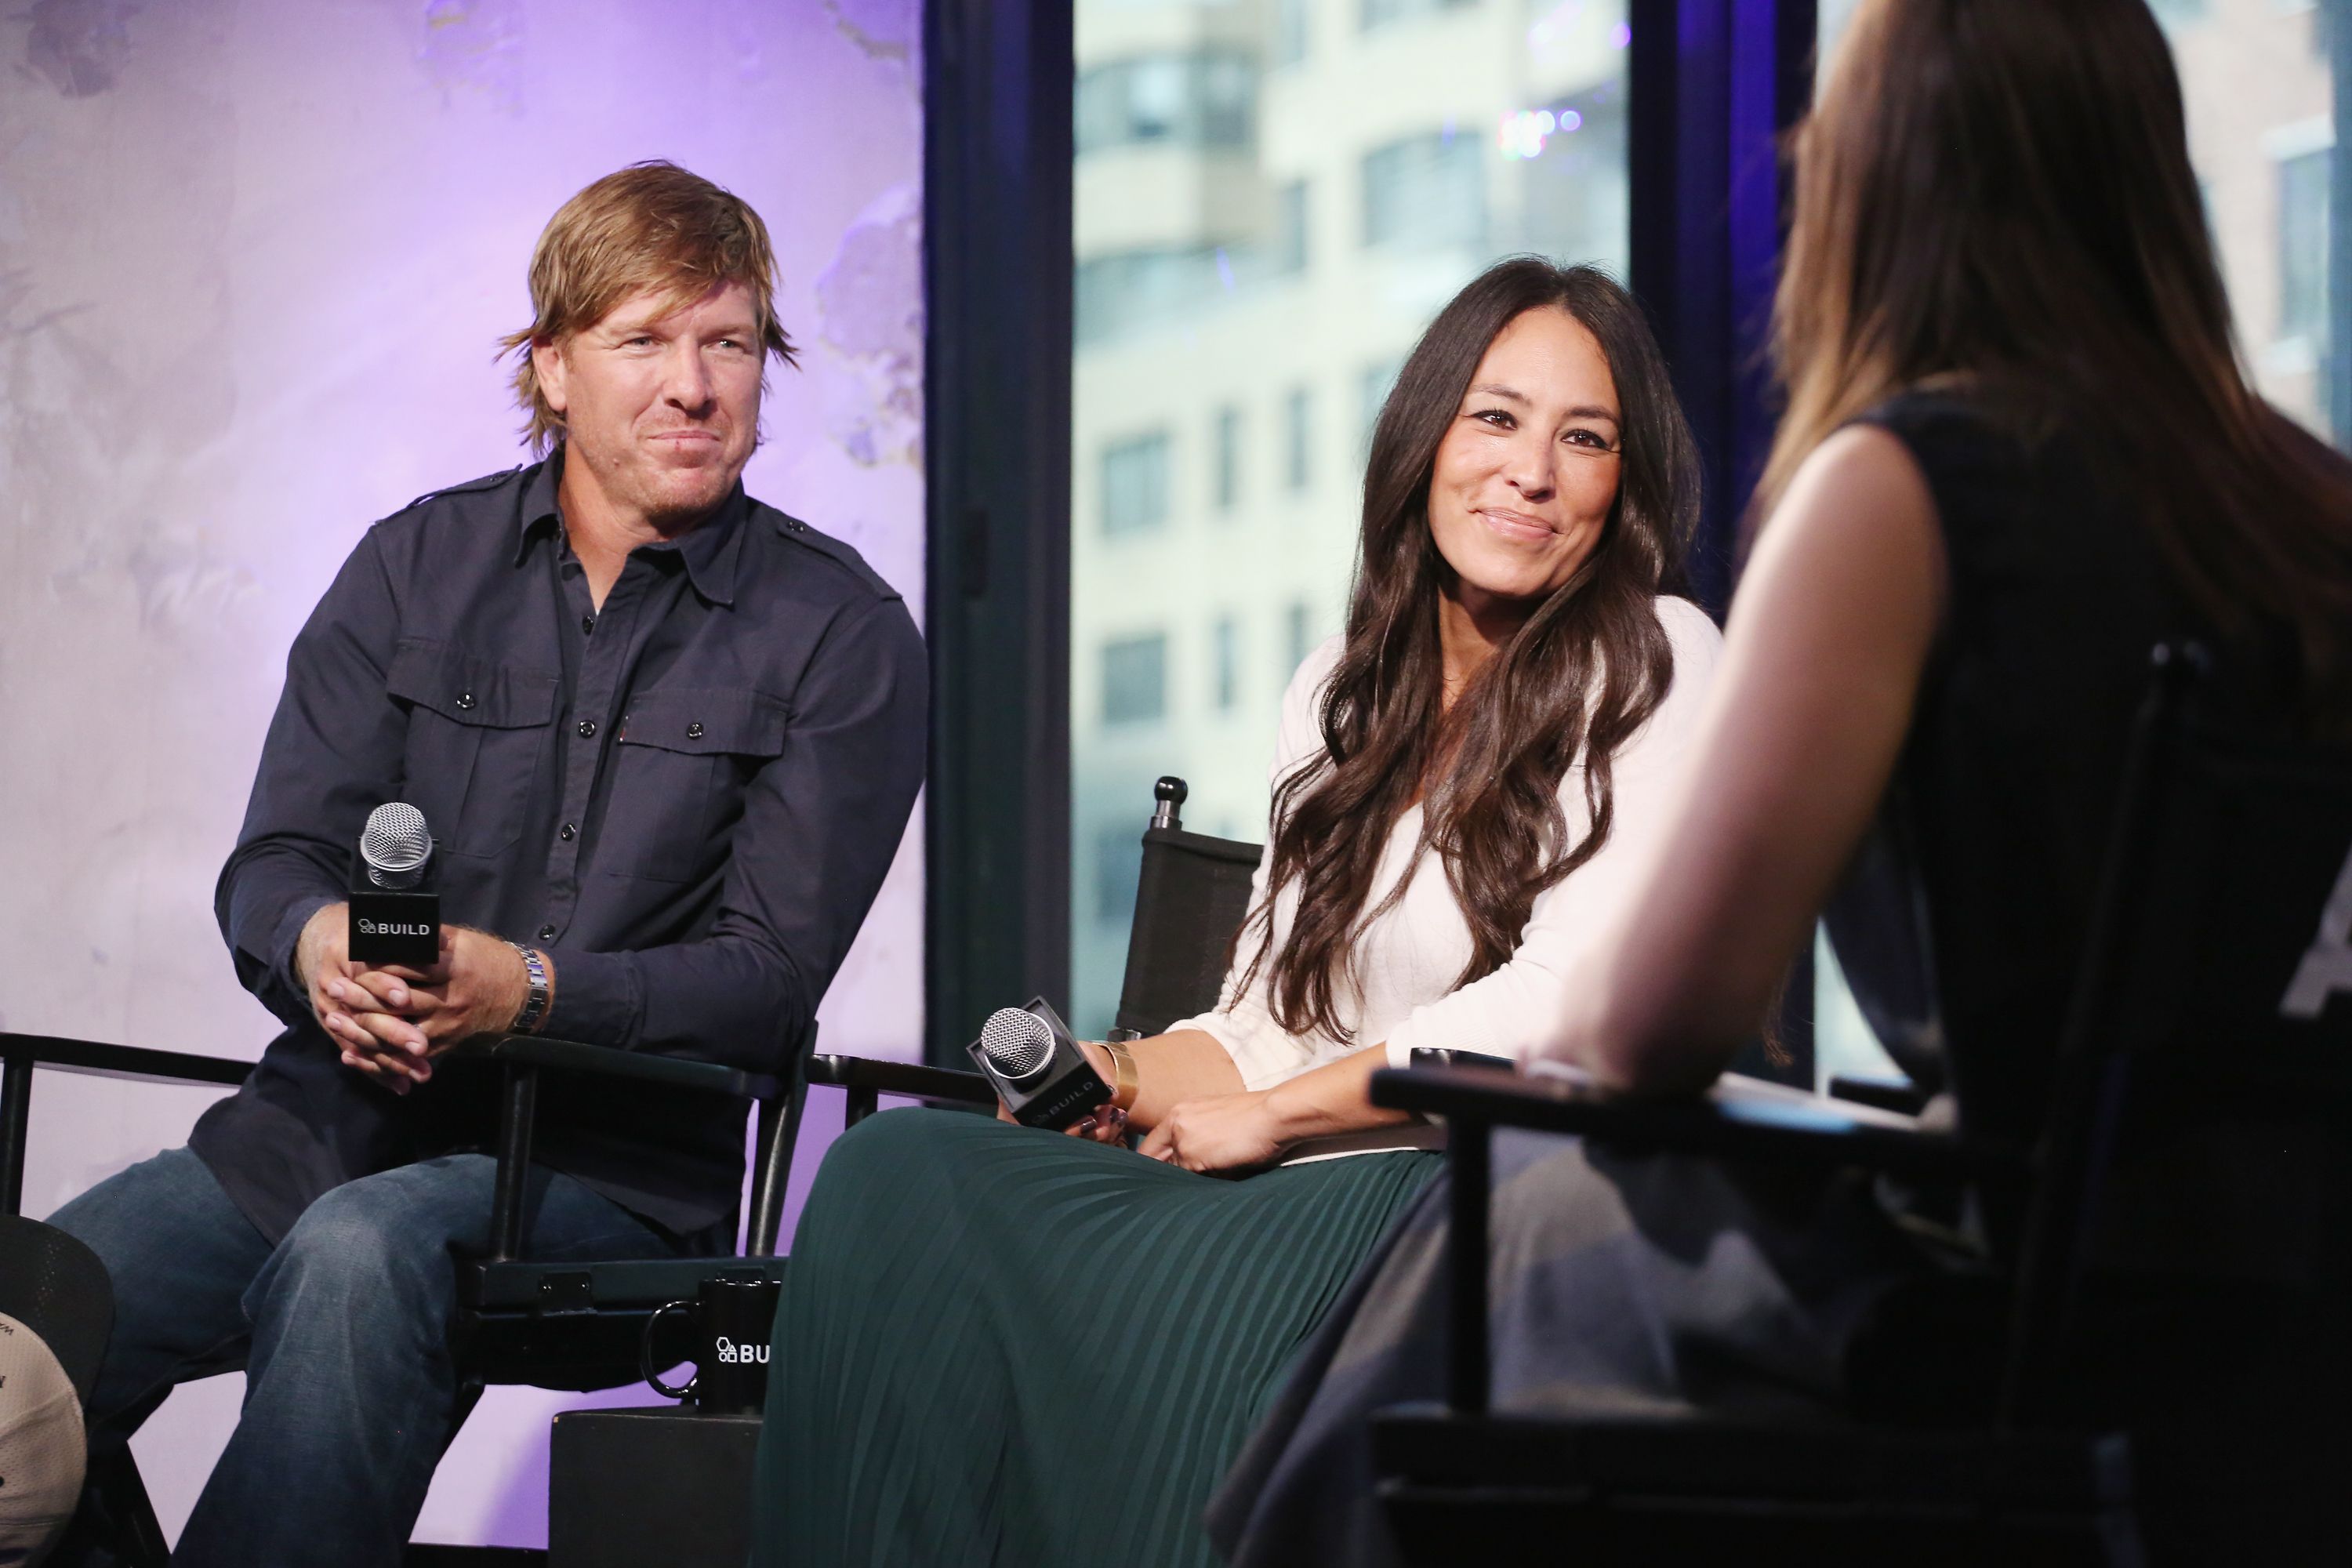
<point x="41" y="1446"/>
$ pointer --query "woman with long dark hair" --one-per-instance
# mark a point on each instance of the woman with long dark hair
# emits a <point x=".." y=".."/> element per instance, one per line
<point x="2019" y="451"/>
<point x="998" y="1345"/>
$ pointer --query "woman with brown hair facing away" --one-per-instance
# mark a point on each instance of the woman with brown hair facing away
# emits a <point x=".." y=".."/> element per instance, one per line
<point x="2018" y="453"/>
<point x="997" y="1344"/>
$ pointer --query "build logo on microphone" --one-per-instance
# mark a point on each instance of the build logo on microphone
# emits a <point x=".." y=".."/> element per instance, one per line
<point x="394" y="928"/>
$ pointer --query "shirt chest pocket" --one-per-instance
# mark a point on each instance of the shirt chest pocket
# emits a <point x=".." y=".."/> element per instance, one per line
<point x="478" y="736"/>
<point x="687" y="756"/>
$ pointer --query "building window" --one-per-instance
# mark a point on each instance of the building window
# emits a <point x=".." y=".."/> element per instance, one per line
<point x="1290" y="31"/>
<point x="1574" y="197"/>
<point x="1371" y="14"/>
<point x="2302" y="245"/>
<point x="1296" y="636"/>
<point x="1129" y="290"/>
<point x="1226" y="678"/>
<point x="1372" y="394"/>
<point x="1225" y="481"/>
<point x="1119" y="866"/>
<point x="1134" y="680"/>
<point x="1183" y="100"/>
<point x="1135" y="483"/>
<point x="1426" y="192"/>
<point x="1298" y="439"/>
<point x="1287" y="252"/>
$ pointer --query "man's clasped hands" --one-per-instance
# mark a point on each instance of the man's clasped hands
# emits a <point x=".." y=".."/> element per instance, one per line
<point x="392" y="1022"/>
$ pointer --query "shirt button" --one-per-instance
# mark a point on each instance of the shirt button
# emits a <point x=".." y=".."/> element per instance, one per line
<point x="587" y="729"/>
<point x="466" y="700"/>
<point x="547" y="933"/>
<point x="693" y="731"/>
<point x="587" y="625"/>
<point x="568" y="832"/>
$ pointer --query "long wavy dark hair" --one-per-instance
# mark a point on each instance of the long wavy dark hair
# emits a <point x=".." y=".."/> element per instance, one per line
<point x="1587" y="668"/>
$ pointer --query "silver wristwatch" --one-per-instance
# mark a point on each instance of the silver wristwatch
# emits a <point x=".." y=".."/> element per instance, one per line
<point x="535" y="1007"/>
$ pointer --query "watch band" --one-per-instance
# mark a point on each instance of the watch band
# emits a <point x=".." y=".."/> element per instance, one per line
<point x="534" y="1005"/>
<point x="1129" y="1084"/>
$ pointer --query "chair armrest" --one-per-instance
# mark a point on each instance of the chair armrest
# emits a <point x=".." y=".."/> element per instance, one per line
<point x="522" y="1055"/>
<point x="1907" y="1099"/>
<point x="121" y="1061"/>
<point x="900" y="1078"/>
<point x="642" y="1067"/>
<point x="1737" y="1121"/>
<point x="22" y="1053"/>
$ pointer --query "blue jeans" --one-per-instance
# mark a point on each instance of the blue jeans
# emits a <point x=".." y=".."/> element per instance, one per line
<point x="344" y="1330"/>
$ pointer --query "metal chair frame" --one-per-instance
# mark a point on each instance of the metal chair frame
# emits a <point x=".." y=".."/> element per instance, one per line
<point x="2033" y="1483"/>
<point x="568" y="1325"/>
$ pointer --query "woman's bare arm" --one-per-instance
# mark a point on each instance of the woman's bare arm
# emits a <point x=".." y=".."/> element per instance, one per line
<point x="1187" y="1064"/>
<point x="1827" y="640"/>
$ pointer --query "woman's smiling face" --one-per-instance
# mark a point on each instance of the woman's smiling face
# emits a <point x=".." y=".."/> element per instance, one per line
<point x="1527" y="471"/>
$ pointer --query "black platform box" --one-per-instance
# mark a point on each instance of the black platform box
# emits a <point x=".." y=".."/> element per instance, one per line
<point x="650" y="1488"/>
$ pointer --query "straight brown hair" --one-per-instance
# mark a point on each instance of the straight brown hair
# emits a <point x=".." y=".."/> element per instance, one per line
<point x="1999" y="191"/>
<point x="650" y="226"/>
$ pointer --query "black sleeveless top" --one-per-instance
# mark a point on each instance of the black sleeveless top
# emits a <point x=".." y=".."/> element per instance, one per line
<point x="1961" y="923"/>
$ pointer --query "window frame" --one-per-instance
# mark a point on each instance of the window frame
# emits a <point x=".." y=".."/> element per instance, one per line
<point x="1713" y="84"/>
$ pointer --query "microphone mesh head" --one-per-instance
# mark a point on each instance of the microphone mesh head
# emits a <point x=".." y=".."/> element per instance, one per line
<point x="395" y="845"/>
<point x="1017" y="1042"/>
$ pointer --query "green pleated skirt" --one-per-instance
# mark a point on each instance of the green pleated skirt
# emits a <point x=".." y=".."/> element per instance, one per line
<point x="998" y="1346"/>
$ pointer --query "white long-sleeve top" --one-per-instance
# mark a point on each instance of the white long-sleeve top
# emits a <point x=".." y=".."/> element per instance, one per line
<point x="1401" y="994"/>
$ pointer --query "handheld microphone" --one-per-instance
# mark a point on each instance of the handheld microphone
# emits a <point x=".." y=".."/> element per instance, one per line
<point x="1036" y="1067"/>
<point x="396" y="910"/>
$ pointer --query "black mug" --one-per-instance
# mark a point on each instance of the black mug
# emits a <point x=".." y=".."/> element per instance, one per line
<point x="733" y="1315"/>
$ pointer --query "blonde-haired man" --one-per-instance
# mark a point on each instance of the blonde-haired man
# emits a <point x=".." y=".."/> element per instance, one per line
<point x="668" y="739"/>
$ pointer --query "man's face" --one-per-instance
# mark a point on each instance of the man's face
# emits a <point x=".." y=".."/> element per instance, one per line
<point x="660" y="402"/>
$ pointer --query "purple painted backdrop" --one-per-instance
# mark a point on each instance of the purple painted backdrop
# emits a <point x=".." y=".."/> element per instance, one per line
<point x="253" y="257"/>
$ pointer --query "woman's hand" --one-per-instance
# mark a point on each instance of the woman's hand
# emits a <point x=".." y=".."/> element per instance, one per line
<point x="1225" y="1133"/>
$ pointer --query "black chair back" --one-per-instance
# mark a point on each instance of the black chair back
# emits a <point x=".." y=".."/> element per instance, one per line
<point x="1190" y="900"/>
<point x="2188" y="1249"/>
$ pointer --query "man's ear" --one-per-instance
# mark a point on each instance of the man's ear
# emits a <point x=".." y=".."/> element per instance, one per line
<point x="547" y="364"/>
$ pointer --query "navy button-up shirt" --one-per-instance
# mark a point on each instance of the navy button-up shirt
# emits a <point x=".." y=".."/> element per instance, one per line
<point x="689" y="796"/>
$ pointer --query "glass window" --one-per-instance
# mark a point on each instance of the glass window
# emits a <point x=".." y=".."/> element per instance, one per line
<point x="1227" y="677"/>
<point x="1298" y="639"/>
<point x="1135" y="483"/>
<point x="1381" y="13"/>
<point x="1225" y="483"/>
<point x="1117" y="867"/>
<point x="1298" y="439"/>
<point x="1426" y="191"/>
<point x="1135" y="679"/>
<point x="2302" y="248"/>
<point x="2260" y="92"/>
<point x="1226" y="289"/>
<point x="1290" y="29"/>
<point x="1195" y="100"/>
<point x="1372" y="390"/>
<point x="1290" y="248"/>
